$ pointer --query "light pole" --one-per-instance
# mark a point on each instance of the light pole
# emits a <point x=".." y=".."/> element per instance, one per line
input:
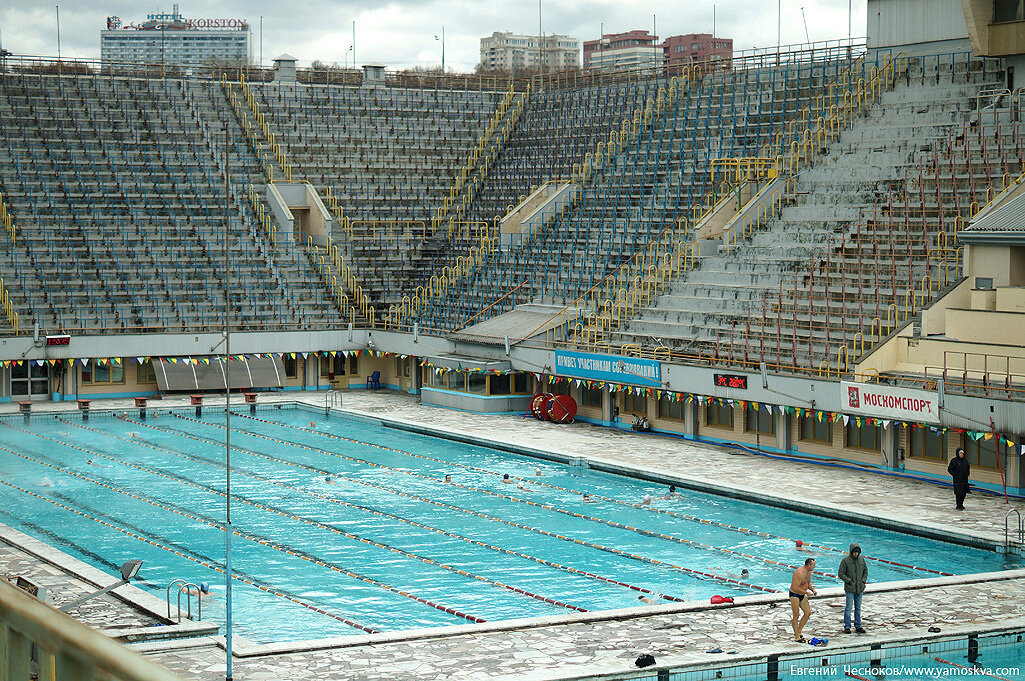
<point x="442" y="48"/>
<point x="346" y="62"/>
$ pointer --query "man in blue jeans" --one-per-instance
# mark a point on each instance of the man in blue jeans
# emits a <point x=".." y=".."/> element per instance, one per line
<point x="854" y="573"/>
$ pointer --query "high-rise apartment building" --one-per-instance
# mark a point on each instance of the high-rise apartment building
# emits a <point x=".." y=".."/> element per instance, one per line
<point x="514" y="51"/>
<point x="171" y="39"/>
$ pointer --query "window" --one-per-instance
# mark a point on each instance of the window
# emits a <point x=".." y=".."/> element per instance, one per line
<point x="499" y="385"/>
<point x="402" y="366"/>
<point x="719" y="415"/>
<point x="670" y="409"/>
<point x="291" y="366"/>
<point x="864" y="436"/>
<point x="983" y="453"/>
<point x="94" y="373"/>
<point x="925" y="443"/>
<point x="635" y="404"/>
<point x="562" y="388"/>
<point x="590" y="397"/>
<point x="144" y="373"/>
<point x="816" y="431"/>
<point x="1007" y="10"/>
<point x="759" y="420"/>
<point x="476" y="382"/>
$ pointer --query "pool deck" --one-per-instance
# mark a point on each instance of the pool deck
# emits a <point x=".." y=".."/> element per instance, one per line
<point x="568" y="647"/>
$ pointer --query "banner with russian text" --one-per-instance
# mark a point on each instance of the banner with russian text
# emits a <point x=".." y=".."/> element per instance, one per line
<point x="608" y="368"/>
<point x="888" y="402"/>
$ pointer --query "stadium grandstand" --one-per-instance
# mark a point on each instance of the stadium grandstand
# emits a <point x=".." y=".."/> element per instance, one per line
<point x="816" y="250"/>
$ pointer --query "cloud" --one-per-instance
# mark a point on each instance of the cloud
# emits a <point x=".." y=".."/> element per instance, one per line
<point x="401" y="33"/>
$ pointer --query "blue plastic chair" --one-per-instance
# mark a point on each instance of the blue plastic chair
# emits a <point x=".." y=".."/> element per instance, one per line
<point x="374" y="381"/>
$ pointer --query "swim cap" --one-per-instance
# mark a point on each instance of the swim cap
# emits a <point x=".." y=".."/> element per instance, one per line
<point x="505" y="477"/>
<point x="327" y="478"/>
<point x="799" y="543"/>
<point x="204" y="587"/>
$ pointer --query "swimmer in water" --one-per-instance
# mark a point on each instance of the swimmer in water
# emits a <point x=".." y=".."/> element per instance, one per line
<point x="448" y="478"/>
<point x="537" y="472"/>
<point x="672" y="493"/>
<point x="506" y="479"/>
<point x="329" y="480"/>
<point x="93" y="463"/>
<point x="523" y="487"/>
<point x="203" y="590"/>
<point x="645" y="501"/>
<point x="651" y="600"/>
<point x="587" y="498"/>
<point x="46" y="482"/>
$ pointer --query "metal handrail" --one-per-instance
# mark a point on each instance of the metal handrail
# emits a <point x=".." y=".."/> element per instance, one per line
<point x="67" y="649"/>
<point x="1021" y="527"/>
<point x="331" y="398"/>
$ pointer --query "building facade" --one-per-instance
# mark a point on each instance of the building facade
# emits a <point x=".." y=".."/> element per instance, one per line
<point x="640" y="49"/>
<point x="173" y="40"/>
<point x="681" y="50"/>
<point x="514" y="51"/>
<point x="630" y="50"/>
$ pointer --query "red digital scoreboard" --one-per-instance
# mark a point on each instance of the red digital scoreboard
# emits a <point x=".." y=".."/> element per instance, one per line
<point x="730" y="381"/>
<point x="58" y="340"/>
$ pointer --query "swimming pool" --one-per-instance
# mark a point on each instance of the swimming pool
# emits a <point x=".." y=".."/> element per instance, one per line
<point x="344" y="525"/>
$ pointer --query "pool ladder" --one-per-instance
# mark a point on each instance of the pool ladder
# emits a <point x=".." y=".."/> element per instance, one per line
<point x="1013" y="537"/>
<point x="189" y="589"/>
<point x="331" y="399"/>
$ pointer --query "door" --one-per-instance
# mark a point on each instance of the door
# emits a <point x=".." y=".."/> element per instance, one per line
<point x="30" y="382"/>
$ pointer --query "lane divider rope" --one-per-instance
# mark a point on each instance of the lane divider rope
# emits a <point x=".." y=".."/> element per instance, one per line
<point x="974" y="670"/>
<point x="302" y="555"/>
<point x="535" y="481"/>
<point x="314" y="523"/>
<point x="378" y="512"/>
<point x="600" y="547"/>
<point x="547" y="507"/>
<point x="206" y="563"/>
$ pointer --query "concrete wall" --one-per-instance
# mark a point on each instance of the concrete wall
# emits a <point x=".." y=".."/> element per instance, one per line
<point x="900" y="23"/>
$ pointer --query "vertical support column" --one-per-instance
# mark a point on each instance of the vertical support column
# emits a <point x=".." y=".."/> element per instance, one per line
<point x="15" y="651"/>
<point x="890" y="445"/>
<point x="784" y="431"/>
<point x="691" y="418"/>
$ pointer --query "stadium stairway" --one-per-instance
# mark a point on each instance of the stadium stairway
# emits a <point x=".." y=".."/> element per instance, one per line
<point x="652" y="180"/>
<point x="815" y="277"/>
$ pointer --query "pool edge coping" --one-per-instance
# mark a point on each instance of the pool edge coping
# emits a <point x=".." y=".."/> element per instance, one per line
<point x="129" y="594"/>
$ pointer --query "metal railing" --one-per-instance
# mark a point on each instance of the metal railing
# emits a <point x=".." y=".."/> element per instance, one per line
<point x="64" y="647"/>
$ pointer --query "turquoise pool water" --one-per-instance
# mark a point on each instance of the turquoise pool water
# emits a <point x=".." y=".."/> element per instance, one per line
<point x="386" y="544"/>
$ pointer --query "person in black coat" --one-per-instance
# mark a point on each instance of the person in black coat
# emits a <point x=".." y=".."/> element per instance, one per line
<point x="959" y="468"/>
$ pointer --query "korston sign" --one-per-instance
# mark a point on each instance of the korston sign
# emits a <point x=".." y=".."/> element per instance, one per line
<point x="887" y="402"/>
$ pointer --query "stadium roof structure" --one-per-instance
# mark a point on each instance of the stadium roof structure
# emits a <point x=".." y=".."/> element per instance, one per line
<point x="1003" y="223"/>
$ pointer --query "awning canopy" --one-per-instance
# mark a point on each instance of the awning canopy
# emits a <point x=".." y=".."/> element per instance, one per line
<point x="460" y="363"/>
<point x="256" y="372"/>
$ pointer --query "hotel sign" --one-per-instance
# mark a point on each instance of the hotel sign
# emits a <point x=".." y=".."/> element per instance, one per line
<point x="593" y="367"/>
<point x="888" y="402"/>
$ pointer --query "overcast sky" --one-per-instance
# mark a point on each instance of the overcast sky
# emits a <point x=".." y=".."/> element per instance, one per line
<point x="401" y="33"/>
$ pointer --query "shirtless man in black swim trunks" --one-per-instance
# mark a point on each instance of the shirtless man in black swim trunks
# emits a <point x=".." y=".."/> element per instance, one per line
<point x="800" y="587"/>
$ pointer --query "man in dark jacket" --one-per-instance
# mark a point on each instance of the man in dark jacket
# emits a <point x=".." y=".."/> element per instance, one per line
<point x="854" y="573"/>
<point x="959" y="468"/>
